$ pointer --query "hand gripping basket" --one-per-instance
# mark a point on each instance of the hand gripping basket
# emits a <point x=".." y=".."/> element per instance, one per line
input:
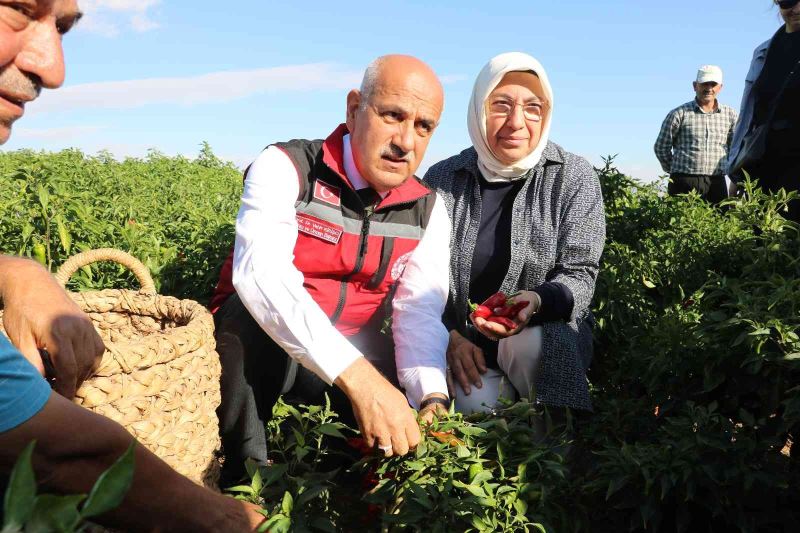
<point x="159" y="376"/>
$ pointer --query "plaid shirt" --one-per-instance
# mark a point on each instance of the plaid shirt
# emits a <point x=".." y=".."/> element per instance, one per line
<point x="692" y="141"/>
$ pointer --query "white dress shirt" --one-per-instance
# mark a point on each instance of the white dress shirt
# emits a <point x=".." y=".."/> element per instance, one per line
<point x="271" y="287"/>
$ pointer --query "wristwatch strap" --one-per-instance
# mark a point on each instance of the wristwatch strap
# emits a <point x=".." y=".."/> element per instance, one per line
<point x="434" y="399"/>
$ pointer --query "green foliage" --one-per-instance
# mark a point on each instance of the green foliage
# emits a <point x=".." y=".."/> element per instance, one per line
<point x="695" y="374"/>
<point x="695" y="385"/>
<point x="25" y="511"/>
<point x="174" y="214"/>
<point x="491" y="472"/>
<point x="20" y="495"/>
<point x="494" y="472"/>
<point x="296" y="486"/>
<point x="695" y="380"/>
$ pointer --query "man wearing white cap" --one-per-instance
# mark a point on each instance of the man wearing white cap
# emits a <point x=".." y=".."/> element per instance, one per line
<point x="693" y="143"/>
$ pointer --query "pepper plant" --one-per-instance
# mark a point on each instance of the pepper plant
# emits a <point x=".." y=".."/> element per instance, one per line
<point x="25" y="511"/>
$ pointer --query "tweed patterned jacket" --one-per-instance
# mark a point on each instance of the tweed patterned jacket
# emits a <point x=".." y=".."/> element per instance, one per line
<point x="557" y="234"/>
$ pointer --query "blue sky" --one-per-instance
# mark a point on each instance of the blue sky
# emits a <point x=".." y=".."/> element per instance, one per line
<point x="169" y="74"/>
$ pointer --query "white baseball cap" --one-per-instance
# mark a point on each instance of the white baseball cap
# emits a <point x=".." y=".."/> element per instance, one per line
<point x="709" y="73"/>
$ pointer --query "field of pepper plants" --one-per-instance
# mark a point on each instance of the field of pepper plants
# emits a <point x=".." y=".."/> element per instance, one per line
<point x="695" y="378"/>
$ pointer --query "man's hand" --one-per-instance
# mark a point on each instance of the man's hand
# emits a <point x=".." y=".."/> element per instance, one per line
<point x="466" y="363"/>
<point x="382" y="412"/>
<point x="39" y="315"/>
<point x="254" y="515"/>
<point x="432" y="410"/>
<point x="497" y="331"/>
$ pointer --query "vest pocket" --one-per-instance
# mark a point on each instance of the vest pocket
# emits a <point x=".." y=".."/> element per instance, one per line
<point x="386" y="256"/>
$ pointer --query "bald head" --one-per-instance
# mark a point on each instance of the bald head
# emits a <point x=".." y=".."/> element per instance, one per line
<point x="394" y="68"/>
<point x="391" y="119"/>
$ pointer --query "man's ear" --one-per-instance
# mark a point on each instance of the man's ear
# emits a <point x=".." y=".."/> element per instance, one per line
<point x="353" y="104"/>
<point x="694" y="85"/>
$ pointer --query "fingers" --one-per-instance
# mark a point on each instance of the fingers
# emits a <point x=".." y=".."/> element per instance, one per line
<point x="253" y="514"/>
<point x="405" y="435"/>
<point x="66" y="376"/>
<point x="30" y="351"/>
<point x="484" y="327"/>
<point x="468" y="364"/>
<point x="88" y="349"/>
<point x="493" y="330"/>
<point x="368" y="436"/>
<point x="386" y="421"/>
<point x="384" y="446"/>
<point x="480" y="360"/>
<point x="461" y="376"/>
<point x="399" y="442"/>
<point x="412" y="434"/>
<point x="99" y="349"/>
<point x="73" y="347"/>
<point x="451" y="389"/>
<point x="426" y="417"/>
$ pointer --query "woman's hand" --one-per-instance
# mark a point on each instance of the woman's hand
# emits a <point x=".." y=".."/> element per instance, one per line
<point x="466" y="364"/>
<point x="496" y="331"/>
<point x="432" y="410"/>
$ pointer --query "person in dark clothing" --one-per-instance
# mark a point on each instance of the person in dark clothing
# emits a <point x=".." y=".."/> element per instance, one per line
<point x="770" y="102"/>
<point x="527" y="218"/>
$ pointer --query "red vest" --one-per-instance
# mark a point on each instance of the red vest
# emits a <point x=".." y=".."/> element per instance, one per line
<point x="350" y="256"/>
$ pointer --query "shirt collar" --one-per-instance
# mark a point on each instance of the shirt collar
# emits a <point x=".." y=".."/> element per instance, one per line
<point x="700" y="109"/>
<point x="333" y="156"/>
<point x="356" y="179"/>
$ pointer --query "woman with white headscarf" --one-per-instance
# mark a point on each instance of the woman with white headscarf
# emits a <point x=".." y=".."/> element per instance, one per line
<point x="527" y="218"/>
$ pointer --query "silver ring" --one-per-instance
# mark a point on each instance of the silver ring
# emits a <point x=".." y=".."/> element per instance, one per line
<point x="385" y="449"/>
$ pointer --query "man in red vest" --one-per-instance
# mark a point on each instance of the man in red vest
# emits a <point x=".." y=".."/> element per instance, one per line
<point x="333" y="238"/>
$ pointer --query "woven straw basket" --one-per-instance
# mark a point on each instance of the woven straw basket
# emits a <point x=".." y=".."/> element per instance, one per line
<point x="159" y="376"/>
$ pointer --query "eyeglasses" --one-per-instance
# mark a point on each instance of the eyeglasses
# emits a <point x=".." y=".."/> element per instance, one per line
<point x="787" y="4"/>
<point x="532" y="111"/>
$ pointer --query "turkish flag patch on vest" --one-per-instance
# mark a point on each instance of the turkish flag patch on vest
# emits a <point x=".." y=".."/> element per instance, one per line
<point x="327" y="193"/>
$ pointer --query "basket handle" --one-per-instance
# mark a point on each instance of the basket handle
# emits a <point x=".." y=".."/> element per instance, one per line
<point x="107" y="254"/>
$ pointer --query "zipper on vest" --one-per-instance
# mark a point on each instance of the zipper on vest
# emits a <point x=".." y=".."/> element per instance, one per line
<point x="363" y="242"/>
<point x="383" y="266"/>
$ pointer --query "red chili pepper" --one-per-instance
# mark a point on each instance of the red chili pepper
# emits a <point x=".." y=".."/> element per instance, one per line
<point x="503" y="321"/>
<point x="497" y="299"/>
<point x="359" y="444"/>
<point x="481" y="311"/>
<point x="514" y="310"/>
<point x="510" y="310"/>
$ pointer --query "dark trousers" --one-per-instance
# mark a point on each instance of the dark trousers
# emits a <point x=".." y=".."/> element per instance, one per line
<point x="254" y="370"/>
<point x="777" y="172"/>
<point x="712" y="188"/>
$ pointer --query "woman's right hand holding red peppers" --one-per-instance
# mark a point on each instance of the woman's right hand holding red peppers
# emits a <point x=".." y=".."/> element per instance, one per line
<point x="502" y="316"/>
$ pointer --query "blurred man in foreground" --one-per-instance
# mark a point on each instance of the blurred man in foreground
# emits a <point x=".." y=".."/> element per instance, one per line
<point x="73" y="445"/>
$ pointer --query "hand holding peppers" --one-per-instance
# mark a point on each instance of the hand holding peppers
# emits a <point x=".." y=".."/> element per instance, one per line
<point x="501" y="316"/>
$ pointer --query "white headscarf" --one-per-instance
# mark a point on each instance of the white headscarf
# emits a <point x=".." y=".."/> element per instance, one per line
<point x="489" y="77"/>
